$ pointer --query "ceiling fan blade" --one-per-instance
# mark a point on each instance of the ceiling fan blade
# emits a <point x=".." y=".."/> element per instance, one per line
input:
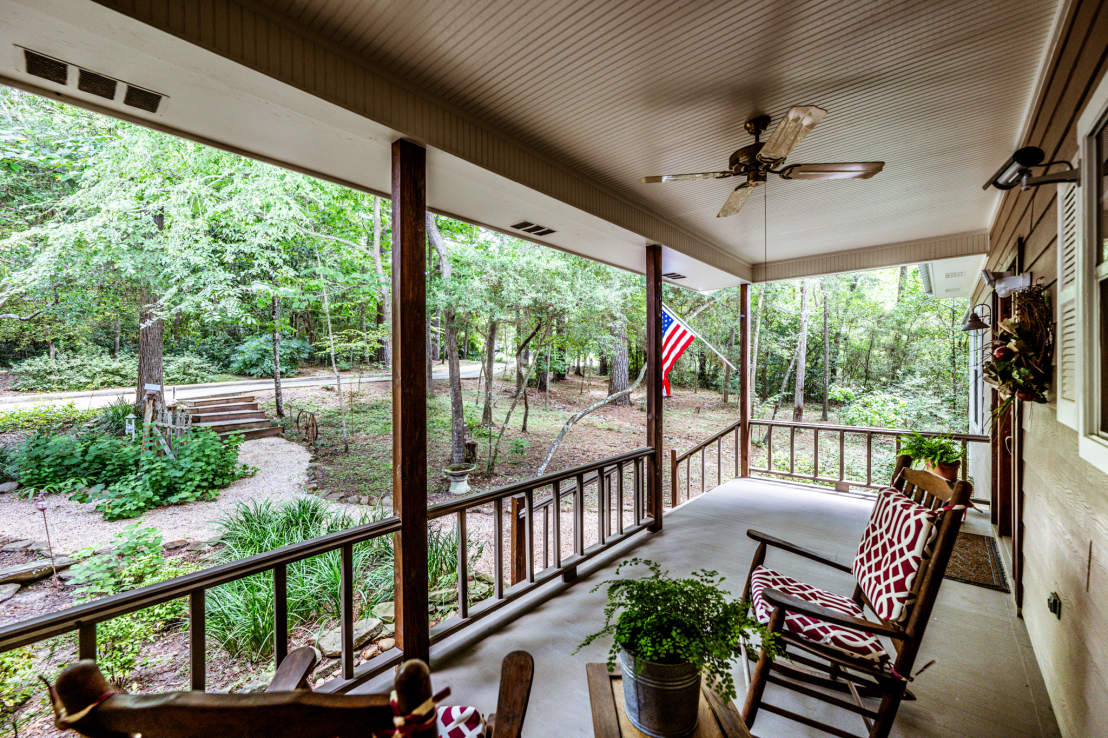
<point x="735" y="203"/>
<point x="686" y="177"/>
<point x="792" y="129"/>
<point x="840" y="170"/>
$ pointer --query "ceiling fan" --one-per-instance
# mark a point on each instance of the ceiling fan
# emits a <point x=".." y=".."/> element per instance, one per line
<point x="758" y="159"/>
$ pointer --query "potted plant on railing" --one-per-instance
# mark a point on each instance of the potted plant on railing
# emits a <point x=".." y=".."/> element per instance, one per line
<point x="667" y="633"/>
<point x="942" y="455"/>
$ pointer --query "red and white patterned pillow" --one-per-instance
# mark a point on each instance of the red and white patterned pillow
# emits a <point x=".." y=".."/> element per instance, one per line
<point x="459" y="722"/>
<point x="853" y="642"/>
<point x="897" y="536"/>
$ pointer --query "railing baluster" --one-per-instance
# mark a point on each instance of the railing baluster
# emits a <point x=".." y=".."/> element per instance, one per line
<point x="529" y="500"/>
<point x="738" y="468"/>
<point x="600" y="506"/>
<point x="579" y="516"/>
<point x="842" y="455"/>
<point x="965" y="458"/>
<point x="280" y="613"/>
<point x="197" y="660"/>
<point x="498" y="547"/>
<point x="637" y="500"/>
<point x="792" y="449"/>
<point x="346" y="611"/>
<point x="86" y="641"/>
<point x="815" y="454"/>
<point x="719" y="461"/>
<point x="546" y="537"/>
<point x="674" y="477"/>
<point x="619" y="487"/>
<point x="769" y="447"/>
<point x="463" y="565"/>
<point x="688" y="478"/>
<point x="703" y="454"/>
<point x="557" y="489"/>
<point x="869" y="459"/>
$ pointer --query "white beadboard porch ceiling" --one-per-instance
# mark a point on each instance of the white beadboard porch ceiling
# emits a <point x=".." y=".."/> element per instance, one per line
<point x="621" y="89"/>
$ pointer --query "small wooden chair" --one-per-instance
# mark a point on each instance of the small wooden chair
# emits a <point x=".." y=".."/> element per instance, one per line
<point x="901" y="562"/>
<point x="85" y="702"/>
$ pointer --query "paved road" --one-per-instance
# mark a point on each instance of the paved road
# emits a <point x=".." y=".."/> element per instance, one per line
<point x="104" y="397"/>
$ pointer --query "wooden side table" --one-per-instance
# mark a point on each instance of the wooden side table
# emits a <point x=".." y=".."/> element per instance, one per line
<point x="718" y="719"/>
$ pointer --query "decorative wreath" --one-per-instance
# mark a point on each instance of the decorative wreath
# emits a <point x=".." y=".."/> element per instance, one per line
<point x="1021" y="366"/>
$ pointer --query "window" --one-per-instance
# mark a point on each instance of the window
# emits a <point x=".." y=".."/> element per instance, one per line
<point x="1090" y="287"/>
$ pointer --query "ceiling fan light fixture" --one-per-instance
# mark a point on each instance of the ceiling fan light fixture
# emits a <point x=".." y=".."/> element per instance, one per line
<point x="797" y="123"/>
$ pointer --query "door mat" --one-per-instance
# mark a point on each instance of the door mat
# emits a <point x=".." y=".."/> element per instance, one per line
<point x="976" y="560"/>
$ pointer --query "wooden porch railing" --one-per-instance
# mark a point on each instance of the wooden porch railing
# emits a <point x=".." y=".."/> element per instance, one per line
<point x="624" y="472"/>
<point x="841" y="433"/>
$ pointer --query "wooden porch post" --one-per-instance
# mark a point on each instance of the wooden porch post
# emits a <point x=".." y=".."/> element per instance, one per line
<point x="409" y="396"/>
<point x="744" y="378"/>
<point x="654" y="383"/>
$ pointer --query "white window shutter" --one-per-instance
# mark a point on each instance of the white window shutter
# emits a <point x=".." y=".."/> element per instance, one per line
<point x="1067" y="376"/>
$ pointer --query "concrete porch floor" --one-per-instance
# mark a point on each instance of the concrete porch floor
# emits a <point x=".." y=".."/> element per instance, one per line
<point x="986" y="682"/>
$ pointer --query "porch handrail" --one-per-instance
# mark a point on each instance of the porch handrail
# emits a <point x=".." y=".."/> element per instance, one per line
<point x="734" y="430"/>
<point x="84" y="617"/>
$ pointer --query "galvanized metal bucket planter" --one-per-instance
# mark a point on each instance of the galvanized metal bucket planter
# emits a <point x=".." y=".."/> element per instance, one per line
<point x="661" y="700"/>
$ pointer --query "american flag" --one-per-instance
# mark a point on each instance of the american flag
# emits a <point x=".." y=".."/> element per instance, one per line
<point x="676" y="337"/>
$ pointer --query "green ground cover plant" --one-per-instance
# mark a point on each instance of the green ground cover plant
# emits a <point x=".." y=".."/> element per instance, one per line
<point x="124" y="480"/>
<point x="93" y="370"/>
<point x="240" y="613"/>
<point x="44" y="418"/>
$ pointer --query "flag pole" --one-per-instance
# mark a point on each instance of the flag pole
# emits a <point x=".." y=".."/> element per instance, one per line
<point x="697" y="335"/>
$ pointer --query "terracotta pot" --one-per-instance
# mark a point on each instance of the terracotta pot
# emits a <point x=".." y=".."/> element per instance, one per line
<point x="949" y="472"/>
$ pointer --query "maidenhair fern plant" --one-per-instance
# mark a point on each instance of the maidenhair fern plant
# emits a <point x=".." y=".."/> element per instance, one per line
<point x="665" y="620"/>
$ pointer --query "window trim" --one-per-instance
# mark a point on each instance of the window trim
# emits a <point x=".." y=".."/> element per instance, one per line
<point x="1092" y="442"/>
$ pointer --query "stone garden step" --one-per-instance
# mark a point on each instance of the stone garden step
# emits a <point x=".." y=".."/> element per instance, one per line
<point x="33" y="571"/>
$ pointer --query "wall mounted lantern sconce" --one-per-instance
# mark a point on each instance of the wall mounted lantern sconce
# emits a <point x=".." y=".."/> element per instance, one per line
<point x="975" y="322"/>
<point x="1018" y="171"/>
<point x="1005" y="283"/>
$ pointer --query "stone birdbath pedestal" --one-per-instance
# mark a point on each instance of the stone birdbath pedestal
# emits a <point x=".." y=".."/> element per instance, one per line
<point x="459" y="477"/>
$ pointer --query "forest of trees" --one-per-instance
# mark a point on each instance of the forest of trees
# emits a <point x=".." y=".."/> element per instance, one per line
<point x="118" y="241"/>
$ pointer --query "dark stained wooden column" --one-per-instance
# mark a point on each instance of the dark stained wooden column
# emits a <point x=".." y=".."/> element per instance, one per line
<point x="654" y="383"/>
<point x="745" y="379"/>
<point x="409" y="396"/>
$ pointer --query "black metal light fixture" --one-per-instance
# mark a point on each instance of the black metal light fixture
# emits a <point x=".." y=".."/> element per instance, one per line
<point x="1017" y="171"/>
<point x="974" y="322"/>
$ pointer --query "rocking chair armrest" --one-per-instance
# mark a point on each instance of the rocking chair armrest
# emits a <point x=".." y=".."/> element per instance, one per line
<point x="294" y="670"/>
<point x="778" y="598"/>
<point x="798" y="550"/>
<point x="516" y="672"/>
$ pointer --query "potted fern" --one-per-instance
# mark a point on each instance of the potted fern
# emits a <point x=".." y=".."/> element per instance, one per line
<point x="942" y="455"/>
<point x="667" y="633"/>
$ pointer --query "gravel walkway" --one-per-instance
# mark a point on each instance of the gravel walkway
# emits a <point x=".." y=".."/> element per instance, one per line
<point x="282" y="473"/>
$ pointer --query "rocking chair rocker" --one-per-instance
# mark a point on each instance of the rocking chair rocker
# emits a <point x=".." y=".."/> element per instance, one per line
<point x="901" y="562"/>
<point x="84" y="702"/>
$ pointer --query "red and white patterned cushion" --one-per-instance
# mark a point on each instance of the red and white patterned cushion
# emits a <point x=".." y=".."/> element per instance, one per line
<point x="459" y="722"/>
<point x="847" y="640"/>
<point x="889" y="556"/>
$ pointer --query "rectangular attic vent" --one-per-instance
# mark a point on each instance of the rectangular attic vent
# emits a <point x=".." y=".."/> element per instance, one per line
<point x="674" y="275"/>
<point x="535" y="230"/>
<point x="92" y="83"/>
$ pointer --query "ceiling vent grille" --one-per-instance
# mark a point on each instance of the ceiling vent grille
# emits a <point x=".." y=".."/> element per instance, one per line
<point x="534" y="229"/>
<point x="96" y="84"/>
<point x="142" y="99"/>
<point x="45" y="67"/>
<point x="674" y="275"/>
<point x="89" y="82"/>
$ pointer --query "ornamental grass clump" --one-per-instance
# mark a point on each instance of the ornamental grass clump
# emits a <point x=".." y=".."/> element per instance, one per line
<point x="671" y="621"/>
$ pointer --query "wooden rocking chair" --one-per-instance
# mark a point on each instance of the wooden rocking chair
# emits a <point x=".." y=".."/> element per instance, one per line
<point x="915" y="521"/>
<point x="84" y="701"/>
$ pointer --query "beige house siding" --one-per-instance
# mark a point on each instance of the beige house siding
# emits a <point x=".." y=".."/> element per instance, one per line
<point x="1065" y="500"/>
<point x="268" y="42"/>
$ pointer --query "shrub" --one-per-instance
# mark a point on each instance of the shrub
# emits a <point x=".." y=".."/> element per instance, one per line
<point x="49" y="461"/>
<point x="875" y="410"/>
<point x="17" y="680"/>
<point x="218" y="350"/>
<point x="240" y="613"/>
<point x="44" y="418"/>
<point x="101" y="574"/>
<point x="188" y="369"/>
<point x="255" y="357"/>
<point x="86" y="371"/>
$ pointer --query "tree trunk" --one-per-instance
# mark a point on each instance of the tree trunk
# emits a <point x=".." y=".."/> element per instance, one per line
<point x="429" y="366"/>
<point x="727" y="367"/>
<point x="365" y="335"/>
<point x="801" y="354"/>
<point x="826" y="356"/>
<point x="757" y="333"/>
<point x="490" y="367"/>
<point x="869" y="357"/>
<point x="602" y="367"/>
<point x="618" y="366"/>
<point x="277" y="356"/>
<point x="115" y="337"/>
<point x="53" y="352"/>
<point x="334" y="364"/>
<point x="900" y="284"/>
<point x="450" y="336"/>
<point x="151" y="333"/>
<point x="384" y="305"/>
